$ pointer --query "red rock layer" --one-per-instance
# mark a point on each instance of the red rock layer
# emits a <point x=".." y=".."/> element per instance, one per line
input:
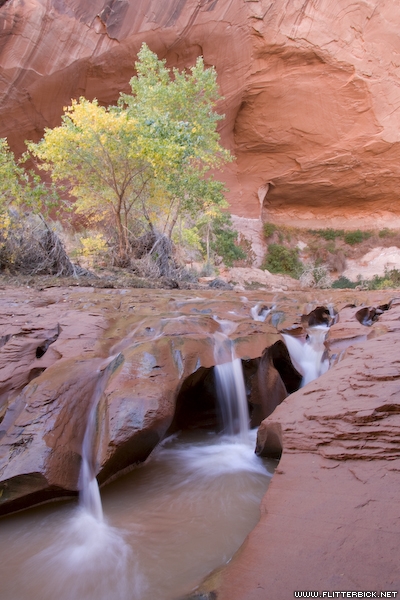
<point x="311" y="89"/>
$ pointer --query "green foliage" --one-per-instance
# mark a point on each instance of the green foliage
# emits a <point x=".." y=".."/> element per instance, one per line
<point x="280" y="259"/>
<point x="20" y="187"/>
<point x="218" y="238"/>
<point x="269" y="229"/>
<point x="177" y="124"/>
<point x="25" y="244"/>
<point x="330" y="247"/>
<point x="390" y="280"/>
<point x="356" y="237"/>
<point x="147" y="160"/>
<point x="383" y="233"/>
<point x="344" y="283"/>
<point x="94" y="247"/>
<point x="95" y="150"/>
<point x="225" y="240"/>
<point x="328" y="234"/>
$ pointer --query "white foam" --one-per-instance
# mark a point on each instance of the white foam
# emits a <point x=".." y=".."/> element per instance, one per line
<point x="228" y="454"/>
<point x="307" y="356"/>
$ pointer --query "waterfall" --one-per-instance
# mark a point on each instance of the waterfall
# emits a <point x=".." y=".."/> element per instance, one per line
<point x="230" y="386"/>
<point x="89" y="492"/>
<point x="307" y="355"/>
<point x="260" y="312"/>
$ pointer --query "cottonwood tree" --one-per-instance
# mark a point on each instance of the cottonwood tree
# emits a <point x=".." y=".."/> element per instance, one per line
<point x="95" y="151"/>
<point x="149" y="158"/>
<point x="175" y="114"/>
<point x="18" y="187"/>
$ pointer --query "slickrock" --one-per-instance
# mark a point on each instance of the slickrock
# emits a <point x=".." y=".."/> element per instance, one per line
<point x="130" y="353"/>
<point x="329" y="521"/>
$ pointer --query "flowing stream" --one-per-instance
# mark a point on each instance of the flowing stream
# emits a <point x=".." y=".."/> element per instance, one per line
<point x="307" y="355"/>
<point x="165" y="526"/>
<point x="230" y="383"/>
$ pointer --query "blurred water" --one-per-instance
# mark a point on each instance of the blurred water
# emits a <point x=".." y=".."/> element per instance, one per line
<point x="229" y="381"/>
<point x="166" y="525"/>
<point x="308" y="356"/>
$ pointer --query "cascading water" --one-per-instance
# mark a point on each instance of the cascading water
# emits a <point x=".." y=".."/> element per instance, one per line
<point x="260" y="312"/>
<point x="307" y="355"/>
<point x="230" y="386"/>
<point x="89" y="492"/>
<point x="164" y="539"/>
<point x="91" y="560"/>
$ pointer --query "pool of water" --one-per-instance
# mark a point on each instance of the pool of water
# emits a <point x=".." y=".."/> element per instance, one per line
<point x="167" y="525"/>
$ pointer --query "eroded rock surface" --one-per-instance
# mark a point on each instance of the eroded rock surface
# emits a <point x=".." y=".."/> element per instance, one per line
<point x="311" y="90"/>
<point x="128" y="352"/>
<point x="329" y="520"/>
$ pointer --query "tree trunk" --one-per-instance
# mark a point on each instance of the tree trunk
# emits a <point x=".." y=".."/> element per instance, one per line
<point x="121" y="237"/>
<point x="173" y="221"/>
<point x="208" y="242"/>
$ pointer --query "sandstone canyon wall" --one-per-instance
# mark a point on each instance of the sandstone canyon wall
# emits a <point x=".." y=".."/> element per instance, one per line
<point x="311" y="90"/>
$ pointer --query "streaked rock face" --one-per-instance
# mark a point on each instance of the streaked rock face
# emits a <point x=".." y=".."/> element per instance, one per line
<point x="311" y="90"/>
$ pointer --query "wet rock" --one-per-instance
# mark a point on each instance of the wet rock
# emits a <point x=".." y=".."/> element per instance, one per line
<point x="330" y="515"/>
<point x="368" y="315"/>
<point x="318" y="316"/>
<point x="135" y="354"/>
<point x="42" y="434"/>
<point x="146" y="358"/>
<point x="269" y="379"/>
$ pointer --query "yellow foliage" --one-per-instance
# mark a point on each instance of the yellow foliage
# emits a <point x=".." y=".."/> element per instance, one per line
<point x="94" y="245"/>
<point x="5" y="223"/>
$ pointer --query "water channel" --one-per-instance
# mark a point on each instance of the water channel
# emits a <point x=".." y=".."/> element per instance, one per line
<point x="156" y="532"/>
<point x="166" y="525"/>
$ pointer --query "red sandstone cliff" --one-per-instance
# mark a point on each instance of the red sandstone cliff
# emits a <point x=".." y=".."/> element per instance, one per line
<point x="312" y="89"/>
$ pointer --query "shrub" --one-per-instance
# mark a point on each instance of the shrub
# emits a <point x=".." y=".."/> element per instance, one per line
<point x="225" y="241"/>
<point x="328" y="234"/>
<point x="94" y="246"/>
<point x="145" y="267"/>
<point x="316" y="276"/>
<point x="280" y="259"/>
<point x="344" y="283"/>
<point x="391" y="279"/>
<point x="386" y="233"/>
<point x="28" y="245"/>
<point x="356" y="237"/>
<point x="269" y="229"/>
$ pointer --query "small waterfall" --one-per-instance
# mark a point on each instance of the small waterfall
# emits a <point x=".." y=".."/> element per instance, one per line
<point x="89" y="492"/>
<point x="260" y="312"/>
<point x="307" y="355"/>
<point x="230" y="386"/>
